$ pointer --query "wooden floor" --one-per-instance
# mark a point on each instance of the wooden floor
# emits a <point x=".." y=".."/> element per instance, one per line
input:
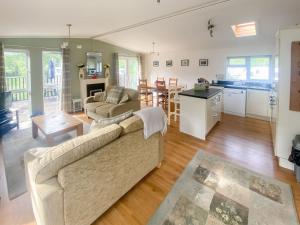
<point x="244" y="141"/>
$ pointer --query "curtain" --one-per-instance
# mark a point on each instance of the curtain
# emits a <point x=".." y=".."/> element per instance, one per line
<point x="66" y="98"/>
<point x="115" y="78"/>
<point x="2" y="69"/>
<point x="140" y="69"/>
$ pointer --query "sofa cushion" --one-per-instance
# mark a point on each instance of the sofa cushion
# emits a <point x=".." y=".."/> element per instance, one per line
<point x="133" y="94"/>
<point x="48" y="164"/>
<point x="125" y="98"/>
<point x="98" y="124"/>
<point x="99" y="96"/>
<point x="93" y="106"/>
<point x="103" y="110"/>
<point x="131" y="124"/>
<point x="114" y="95"/>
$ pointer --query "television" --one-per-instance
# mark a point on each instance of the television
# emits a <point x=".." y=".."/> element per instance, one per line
<point x="5" y="100"/>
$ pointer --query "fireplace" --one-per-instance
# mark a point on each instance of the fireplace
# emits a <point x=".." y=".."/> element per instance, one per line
<point x="91" y="89"/>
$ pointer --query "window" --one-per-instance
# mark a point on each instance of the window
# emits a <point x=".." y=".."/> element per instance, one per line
<point x="128" y="71"/>
<point x="52" y="74"/>
<point x="255" y="68"/>
<point x="276" y="68"/>
<point x="17" y="79"/>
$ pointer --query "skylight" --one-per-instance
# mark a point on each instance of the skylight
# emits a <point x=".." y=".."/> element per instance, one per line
<point x="244" y="29"/>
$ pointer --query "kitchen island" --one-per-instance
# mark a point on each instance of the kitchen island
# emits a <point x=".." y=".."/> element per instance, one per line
<point x="200" y="111"/>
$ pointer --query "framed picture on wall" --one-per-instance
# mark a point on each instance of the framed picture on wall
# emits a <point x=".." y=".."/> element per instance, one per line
<point x="155" y="63"/>
<point x="169" y="63"/>
<point x="185" y="62"/>
<point x="203" y="62"/>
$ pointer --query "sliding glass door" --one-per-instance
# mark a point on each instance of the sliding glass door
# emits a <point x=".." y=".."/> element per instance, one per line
<point x="52" y="74"/>
<point x="17" y="78"/>
<point x="128" y="71"/>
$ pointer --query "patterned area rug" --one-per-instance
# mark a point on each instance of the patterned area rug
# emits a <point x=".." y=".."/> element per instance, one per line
<point x="13" y="146"/>
<point x="212" y="191"/>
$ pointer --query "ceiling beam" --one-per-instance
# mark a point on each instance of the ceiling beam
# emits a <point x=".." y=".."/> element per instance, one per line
<point x="165" y="17"/>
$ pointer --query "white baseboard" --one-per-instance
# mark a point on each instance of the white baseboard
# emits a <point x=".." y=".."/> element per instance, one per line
<point x="286" y="164"/>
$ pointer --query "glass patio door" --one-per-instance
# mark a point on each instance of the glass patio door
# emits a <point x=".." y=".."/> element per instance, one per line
<point x="52" y="74"/>
<point x="17" y="78"/>
<point x="128" y="71"/>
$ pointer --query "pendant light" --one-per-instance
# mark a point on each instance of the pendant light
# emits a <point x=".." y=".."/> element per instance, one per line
<point x="153" y="49"/>
<point x="65" y="44"/>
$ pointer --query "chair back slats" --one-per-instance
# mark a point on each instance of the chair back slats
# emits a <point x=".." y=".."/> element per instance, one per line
<point x="173" y="82"/>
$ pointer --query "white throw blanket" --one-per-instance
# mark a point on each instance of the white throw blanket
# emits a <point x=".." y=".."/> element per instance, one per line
<point x="154" y="119"/>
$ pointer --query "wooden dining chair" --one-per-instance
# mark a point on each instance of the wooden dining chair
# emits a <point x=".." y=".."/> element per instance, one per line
<point x="145" y="93"/>
<point x="173" y="103"/>
<point x="173" y="82"/>
<point x="160" y="79"/>
<point x="162" y="93"/>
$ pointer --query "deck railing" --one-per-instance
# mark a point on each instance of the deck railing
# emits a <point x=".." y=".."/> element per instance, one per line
<point x="19" y="87"/>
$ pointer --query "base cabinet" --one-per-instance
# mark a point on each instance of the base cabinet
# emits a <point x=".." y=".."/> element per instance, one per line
<point x="258" y="104"/>
<point x="198" y="116"/>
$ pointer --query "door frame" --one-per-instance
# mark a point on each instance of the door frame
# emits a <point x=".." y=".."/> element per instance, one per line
<point x="28" y="65"/>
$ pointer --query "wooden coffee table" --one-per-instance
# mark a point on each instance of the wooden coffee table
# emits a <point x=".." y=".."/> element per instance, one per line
<point x="55" y="125"/>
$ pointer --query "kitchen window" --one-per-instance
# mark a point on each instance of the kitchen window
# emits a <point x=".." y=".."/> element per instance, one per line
<point x="251" y="68"/>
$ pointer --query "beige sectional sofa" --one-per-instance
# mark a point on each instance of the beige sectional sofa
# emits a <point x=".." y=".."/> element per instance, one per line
<point x="97" y="108"/>
<point x="77" y="181"/>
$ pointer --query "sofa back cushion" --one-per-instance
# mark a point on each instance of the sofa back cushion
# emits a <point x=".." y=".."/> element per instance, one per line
<point x="114" y="95"/>
<point x="133" y="94"/>
<point x="131" y="124"/>
<point x="47" y="165"/>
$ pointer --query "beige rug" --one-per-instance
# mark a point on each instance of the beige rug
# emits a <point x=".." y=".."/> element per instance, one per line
<point x="14" y="144"/>
<point x="212" y="191"/>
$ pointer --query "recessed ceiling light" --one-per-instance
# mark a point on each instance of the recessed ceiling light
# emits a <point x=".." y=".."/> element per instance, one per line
<point x="244" y="29"/>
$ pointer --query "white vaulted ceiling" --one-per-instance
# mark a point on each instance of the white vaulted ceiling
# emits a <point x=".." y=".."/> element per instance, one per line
<point x="39" y="18"/>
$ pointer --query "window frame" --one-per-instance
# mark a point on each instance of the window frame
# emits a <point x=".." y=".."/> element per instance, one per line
<point x="127" y="58"/>
<point x="248" y="67"/>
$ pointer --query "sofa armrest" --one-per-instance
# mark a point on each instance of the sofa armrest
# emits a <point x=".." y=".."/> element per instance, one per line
<point x="124" y="107"/>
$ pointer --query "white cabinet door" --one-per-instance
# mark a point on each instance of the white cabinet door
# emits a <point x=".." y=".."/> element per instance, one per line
<point x="235" y="101"/>
<point x="213" y="114"/>
<point x="258" y="103"/>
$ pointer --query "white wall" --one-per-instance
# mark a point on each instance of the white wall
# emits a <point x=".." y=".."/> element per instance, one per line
<point x="288" y="123"/>
<point x="188" y="75"/>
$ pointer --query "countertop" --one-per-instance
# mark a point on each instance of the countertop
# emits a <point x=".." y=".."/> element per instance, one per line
<point x="242" y="87"/>
<point x="205" y="94"/>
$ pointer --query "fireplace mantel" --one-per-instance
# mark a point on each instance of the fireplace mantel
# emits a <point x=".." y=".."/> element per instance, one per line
<point x="85" y="82"/>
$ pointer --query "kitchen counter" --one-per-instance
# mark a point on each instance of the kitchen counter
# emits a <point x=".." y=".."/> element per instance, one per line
<point x="205" y="94"/>
<point x="244" y="87"/>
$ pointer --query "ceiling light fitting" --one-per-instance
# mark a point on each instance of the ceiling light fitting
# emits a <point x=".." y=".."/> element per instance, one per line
<point x="211" y="27"/>
<point x="65" y="44"/>
<point x="153" y="49"/>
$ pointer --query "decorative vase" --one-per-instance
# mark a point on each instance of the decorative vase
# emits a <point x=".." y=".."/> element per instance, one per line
<point x="81" y="73"/>
<point x="107" y="75"/>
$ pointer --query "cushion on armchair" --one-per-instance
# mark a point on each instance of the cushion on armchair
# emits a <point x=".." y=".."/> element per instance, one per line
<point x="99" y="96"/>
<point x="114" y="95"/>
<point x="125" y="98"/>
